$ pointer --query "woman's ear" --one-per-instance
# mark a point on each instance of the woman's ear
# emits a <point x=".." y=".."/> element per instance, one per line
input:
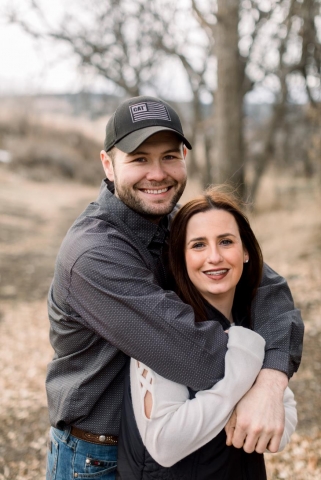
<point x="107" y="165"/>
<point x="246" y="257"/>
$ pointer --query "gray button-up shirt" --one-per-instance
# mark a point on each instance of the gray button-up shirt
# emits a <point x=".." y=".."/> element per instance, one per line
<point x="108" y="302"/>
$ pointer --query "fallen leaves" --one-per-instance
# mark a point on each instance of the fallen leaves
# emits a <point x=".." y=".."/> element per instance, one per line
<point x="27" y="263"/>
<point x="301" y="460"/>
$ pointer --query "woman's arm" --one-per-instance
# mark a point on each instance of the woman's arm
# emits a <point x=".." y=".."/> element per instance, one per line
<point x="171" y="425"/>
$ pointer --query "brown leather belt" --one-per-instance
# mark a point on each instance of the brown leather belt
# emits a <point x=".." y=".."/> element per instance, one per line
<point x="93" y="437"/>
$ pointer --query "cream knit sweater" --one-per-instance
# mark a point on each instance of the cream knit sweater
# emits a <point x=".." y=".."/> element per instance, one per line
<point x="177" y="425"/>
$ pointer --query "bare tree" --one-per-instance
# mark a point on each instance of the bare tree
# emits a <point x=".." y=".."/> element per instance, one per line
<point x="129" y="44"/>
<point x="256" y="44"/>
<point x="114" y="39"/>
<point x="295" y="40"/>
<point x="229" y="95"/>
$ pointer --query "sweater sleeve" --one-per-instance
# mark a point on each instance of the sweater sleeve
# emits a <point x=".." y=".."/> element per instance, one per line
<point x="178" y="426"/>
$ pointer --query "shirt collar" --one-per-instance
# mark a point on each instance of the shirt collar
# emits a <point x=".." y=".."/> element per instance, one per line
<point x="140" y="226"/>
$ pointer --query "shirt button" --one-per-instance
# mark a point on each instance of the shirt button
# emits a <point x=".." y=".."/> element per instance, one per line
<point x="102" y="438"/>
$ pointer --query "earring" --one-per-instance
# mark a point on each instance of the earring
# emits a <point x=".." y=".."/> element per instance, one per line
<point x="246" y="261"/>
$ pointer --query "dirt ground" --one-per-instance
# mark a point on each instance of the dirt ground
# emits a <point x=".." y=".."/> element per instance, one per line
<point x="33" y="220"/>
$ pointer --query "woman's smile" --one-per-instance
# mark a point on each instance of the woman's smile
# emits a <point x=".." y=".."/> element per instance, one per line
<point x="216" y="274"/>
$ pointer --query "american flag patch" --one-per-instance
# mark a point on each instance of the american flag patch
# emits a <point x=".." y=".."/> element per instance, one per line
<point x="149" y="110"/>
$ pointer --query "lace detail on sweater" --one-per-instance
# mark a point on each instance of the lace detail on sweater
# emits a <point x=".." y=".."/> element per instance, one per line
<point x="145" y="381"/>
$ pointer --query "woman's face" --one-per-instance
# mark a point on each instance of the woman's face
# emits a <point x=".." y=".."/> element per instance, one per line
<point x="214" y="254"/>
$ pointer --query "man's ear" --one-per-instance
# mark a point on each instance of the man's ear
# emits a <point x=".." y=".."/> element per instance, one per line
<point x="107" y="165"/>
<point x="184" y="151"/>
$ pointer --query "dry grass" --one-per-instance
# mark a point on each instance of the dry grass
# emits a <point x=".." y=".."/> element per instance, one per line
<point x="34" y="217"/>
<point x="46" y="149"/>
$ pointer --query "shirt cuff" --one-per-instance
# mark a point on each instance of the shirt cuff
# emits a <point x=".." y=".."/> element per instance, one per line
<point x="277" y="360"/>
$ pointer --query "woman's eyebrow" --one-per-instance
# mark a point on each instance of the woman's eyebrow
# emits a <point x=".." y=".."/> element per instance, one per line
<point x="226" y="235"/>
<point x="222" y="235"/>
<point x="196" y="239"/>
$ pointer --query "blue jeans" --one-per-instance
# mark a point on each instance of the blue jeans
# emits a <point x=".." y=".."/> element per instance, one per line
<point x="70" y="458"/>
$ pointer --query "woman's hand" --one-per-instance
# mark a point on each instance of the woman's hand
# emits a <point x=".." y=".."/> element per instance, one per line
<point x="229" y="428"/>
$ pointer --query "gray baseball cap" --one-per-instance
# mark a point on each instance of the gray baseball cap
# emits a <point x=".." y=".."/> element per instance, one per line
<point x="137" y="119"/>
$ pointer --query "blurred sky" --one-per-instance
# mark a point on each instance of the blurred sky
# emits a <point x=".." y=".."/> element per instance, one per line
<point x="30" y="66"/>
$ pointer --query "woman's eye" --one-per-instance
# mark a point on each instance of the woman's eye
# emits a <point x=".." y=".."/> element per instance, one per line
<point x="198" y="245"/>
<point x="226" y="242"/>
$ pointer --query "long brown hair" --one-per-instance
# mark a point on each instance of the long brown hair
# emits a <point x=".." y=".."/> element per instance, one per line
<point x="214" y="198"/>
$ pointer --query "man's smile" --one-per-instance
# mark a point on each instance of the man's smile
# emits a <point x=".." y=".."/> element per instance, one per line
<point x="155" y="191"/>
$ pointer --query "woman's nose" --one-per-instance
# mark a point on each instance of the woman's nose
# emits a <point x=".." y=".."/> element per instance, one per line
<point x="215" y="256"/>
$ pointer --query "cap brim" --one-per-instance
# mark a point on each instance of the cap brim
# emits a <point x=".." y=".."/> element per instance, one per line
<point x="132" y="141"/>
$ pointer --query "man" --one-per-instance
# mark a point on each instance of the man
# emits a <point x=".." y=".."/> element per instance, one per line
<point x="108" y="302"/>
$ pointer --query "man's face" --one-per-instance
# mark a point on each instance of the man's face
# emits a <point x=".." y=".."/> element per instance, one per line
<point x="152" y="178"/>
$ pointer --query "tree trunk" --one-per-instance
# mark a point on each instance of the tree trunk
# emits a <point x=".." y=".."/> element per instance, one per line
<point x="207" y="177"/>
<point x="229" y="97"/>
<point x="192" y="165"/>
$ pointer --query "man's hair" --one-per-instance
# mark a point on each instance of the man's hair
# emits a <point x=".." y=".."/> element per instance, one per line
<point x="214" y="199"/>
<point x="112" y="154"/>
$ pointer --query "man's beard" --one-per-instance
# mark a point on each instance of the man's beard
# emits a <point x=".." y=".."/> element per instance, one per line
<point x="152" y="212"/>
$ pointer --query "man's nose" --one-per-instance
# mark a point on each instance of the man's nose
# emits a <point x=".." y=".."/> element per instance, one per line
<point x="156" y="172"/>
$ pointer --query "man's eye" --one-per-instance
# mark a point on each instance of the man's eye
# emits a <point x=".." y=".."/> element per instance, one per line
<point x="169" y="157"/>
<point x="139" y="160"/>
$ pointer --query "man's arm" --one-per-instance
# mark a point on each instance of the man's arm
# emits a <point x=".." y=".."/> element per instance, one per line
<point x="113" y="293"/>
<point x="279" y="322"/>
<point x="257" y="422"/>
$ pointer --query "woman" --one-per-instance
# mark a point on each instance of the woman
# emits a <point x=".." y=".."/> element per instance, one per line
<point x="217" y="266"/>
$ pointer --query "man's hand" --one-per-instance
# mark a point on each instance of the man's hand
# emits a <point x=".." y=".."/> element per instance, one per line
<point x="257" y="422"/>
